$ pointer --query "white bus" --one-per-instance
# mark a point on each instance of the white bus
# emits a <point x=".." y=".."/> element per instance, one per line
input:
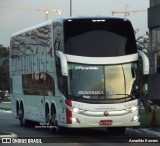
<point x="77" y="73"/>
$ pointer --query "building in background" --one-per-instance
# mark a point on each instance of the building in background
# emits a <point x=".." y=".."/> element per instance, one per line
<point x="154" y="49"/>
<point x="154" y="28"/>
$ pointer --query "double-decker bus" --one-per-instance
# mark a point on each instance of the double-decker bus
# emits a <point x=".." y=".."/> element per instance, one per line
<point x="77" y="73"/>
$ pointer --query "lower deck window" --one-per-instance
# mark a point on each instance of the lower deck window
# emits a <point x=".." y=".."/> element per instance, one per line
<point x="38" y="84"/>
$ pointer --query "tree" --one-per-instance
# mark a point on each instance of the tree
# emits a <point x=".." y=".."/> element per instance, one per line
<point x="142" y="42"/>
<point x="4" y="68"/>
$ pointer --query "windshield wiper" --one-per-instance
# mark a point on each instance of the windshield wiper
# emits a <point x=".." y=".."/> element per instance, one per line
<point x="122" y="94"/>
<point x="76" y="97"/>
<point x="126" y="94"/>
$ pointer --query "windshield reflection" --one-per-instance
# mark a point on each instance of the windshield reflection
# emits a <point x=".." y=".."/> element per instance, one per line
<point x="101" y="82"/>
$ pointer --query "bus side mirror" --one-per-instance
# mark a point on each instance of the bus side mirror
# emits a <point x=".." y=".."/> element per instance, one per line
<point x="63" y="62"/>
<point x="145" y="62"/>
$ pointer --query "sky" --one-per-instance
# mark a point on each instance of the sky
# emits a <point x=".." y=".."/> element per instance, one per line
<point x="14" y="16"/>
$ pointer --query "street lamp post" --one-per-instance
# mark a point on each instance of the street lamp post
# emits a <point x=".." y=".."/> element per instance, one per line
<point x="55" y="10"/>
<point x="70" y="8"/>
<point x="46" y="12"/>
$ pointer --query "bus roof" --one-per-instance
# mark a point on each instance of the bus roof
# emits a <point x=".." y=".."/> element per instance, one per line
<point x="49" y="22"/>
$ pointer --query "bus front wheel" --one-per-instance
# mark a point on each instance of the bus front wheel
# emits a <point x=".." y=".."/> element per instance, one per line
<point x="53" y="122"/>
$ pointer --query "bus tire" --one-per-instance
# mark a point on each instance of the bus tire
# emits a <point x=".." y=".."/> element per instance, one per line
<point x="116" y="130"/>
<point x="53" y="122"/>
<point x="47" y="115"/>
<point x="22" y="121"/>
<point x="17" y="109"/>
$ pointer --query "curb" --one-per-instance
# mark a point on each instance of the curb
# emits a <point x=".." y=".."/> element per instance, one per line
<point x="4" y="111"/>
<point x="145" y="131"/>
<point x="153" y="133"/>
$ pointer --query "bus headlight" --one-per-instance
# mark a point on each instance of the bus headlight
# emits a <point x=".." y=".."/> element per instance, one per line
<point x="132" y="109"/>
<point x="68" y="105"/>
<point x="75" y="110"/>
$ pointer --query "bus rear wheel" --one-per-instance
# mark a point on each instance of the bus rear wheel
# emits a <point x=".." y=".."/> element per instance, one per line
<point x="22" y="121"/>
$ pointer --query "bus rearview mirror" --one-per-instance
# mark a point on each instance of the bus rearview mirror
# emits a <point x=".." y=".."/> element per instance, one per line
<point x="145" y="62"/>
<point x="63" y="62"/>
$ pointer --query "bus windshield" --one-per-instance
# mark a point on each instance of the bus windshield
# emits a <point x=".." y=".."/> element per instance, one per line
<point x="101" y="82"/>
<point x="99" y="38"/>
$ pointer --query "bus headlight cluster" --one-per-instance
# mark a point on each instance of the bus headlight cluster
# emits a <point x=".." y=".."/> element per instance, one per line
<point x="75" y="110"/>
<point x="133" y="109"/>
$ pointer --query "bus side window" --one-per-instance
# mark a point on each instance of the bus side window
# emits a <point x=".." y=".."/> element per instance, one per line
<point x="49" y="86"/>
<point x="38" y="84"/>
<point x="25" y="84"/>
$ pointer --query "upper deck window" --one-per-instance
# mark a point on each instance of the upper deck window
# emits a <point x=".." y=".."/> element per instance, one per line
<point x="99" y="38"/>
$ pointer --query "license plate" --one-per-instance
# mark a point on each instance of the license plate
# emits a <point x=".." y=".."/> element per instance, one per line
<point x="105" y="122"/>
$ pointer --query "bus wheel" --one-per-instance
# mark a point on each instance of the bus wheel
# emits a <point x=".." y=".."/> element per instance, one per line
<point x="116" y="130"/>
<point x="53" y="122"/>
<point x="22" y="121"/>
<point x="54" y="128"/>
<point x="17" y="110"/>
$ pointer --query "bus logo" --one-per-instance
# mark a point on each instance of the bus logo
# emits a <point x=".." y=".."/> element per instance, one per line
<point x="106" y="113"/>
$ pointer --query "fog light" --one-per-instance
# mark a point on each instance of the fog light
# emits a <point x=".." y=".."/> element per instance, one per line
<point x="75" y="120"/>
<point x="135" y="118"/>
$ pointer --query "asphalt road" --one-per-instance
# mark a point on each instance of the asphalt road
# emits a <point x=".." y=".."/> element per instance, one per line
<point x="9" y="124"/>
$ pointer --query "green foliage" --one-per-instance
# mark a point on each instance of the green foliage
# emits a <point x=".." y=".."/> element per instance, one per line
<point x="4" y="68"/>
<point x="147" y="117"/>
<point x="142" y="42"/>
<point x="4" y="51"/>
